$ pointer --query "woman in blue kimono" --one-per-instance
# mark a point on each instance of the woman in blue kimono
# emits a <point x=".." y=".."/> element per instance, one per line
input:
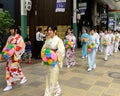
<point x="84" y="39"/>
<point x="93" y="43"/>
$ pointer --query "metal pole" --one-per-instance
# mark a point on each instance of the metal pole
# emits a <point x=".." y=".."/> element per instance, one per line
<point x="23" y="19"/>
<point x="74" y="19"/>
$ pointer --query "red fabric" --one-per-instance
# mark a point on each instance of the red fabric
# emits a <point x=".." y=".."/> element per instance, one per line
<point x="18" y="48"/>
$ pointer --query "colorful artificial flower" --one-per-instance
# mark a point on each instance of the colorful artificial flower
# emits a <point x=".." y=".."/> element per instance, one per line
<point x="105" y="43"/>
<point x="116" y="38"/>
<point x="68" y="44"/>
<point x="90" y="47"/>
<point x="8" y="51"/>
<point x="84" y="40"/>
<point x="49" y="57"/>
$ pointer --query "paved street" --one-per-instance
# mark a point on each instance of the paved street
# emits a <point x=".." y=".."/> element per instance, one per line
<point x="75" y="81"/>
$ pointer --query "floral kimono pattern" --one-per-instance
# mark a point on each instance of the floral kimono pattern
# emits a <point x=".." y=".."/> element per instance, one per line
<point x="52" y="84"/>
<point x="13" y="69"/>
<point x="70" y="51"/>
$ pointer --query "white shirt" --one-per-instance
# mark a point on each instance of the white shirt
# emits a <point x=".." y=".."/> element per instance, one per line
<point x="39" y="36"/>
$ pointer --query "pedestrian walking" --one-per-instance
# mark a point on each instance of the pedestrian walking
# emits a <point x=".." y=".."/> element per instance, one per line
<point x="13" y="51"/>
<point x="70" y="42"/>
<point x="84" y="39"/>
<point x="52" y="53"/>
<point x="93" y="43"/>
<point x="106" y="44"/>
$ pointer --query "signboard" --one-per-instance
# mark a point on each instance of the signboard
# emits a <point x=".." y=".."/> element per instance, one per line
<point x="82" y="8"/>
<point x="104" y="18"/>
<point x="60" y="5"/>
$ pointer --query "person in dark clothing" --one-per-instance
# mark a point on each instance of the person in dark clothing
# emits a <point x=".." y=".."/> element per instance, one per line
<point x="39" y="42"/>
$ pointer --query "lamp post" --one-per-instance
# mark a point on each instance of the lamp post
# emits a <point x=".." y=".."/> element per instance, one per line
<point x="74" y="18"/>
<point x="25" y="6"/>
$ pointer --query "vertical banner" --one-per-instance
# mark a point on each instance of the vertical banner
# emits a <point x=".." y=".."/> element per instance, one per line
<point x="82" y="8"/>
<point x="60" y="6"/>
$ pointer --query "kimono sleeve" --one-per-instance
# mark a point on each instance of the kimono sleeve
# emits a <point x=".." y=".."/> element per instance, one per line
<point x="19" y="48"/>
<point x="60" y="53"/>
<point x="97" y="42"/>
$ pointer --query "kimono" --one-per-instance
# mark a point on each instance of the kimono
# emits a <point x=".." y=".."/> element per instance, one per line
<point x="70" y="51"/>
<point x="84" y="39"/>
<point x="52" y="84"/>
<point x="13" y="69"/>
<point x="116" y="42"/>
<point x="100" y="37"/>
<point x="93" y="39"/>
<point x="111" y="46"/>
<point x="106" y="39"/>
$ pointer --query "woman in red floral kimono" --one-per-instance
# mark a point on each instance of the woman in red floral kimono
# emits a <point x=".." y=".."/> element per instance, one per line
<point x="13" y="69"/>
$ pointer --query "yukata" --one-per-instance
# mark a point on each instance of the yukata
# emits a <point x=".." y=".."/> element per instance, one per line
<point x="100" y="37"/>
<point x="70" y="61"/>
<point x="92" y="55"/>
<point x="13" y="69"/>
<point x="106" y="38"/>
<point x="84" y="39"/>
<point x="52" y="85"/>
<point x="116" y="43"/>
<point x="111" y="46"/>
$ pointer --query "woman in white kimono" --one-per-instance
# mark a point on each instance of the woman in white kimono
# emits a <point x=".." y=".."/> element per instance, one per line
<point x="94" y="41"/>
<point x="117" y="39"/>
<point x="100" y="37"/>
<point x="13" y="69"/>
<point x="106" y="39"/>
<point x="70" y="51"/>
<point x="111" y="46"/>
<point x="56" y="44"/>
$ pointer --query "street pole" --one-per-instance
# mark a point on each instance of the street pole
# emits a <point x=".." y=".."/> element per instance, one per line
<point x="74" y="19"/>
<point x="23" y="19"/>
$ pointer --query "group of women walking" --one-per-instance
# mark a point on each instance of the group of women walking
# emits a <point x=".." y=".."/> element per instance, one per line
<point x="54" y="51"/>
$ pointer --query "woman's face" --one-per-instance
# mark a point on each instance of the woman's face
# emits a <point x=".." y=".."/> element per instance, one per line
<point x="84" y="31"/>
<point x="69" y="31"/>
<point x="51" y="33"/>
<point x="105" y="32"/>
<point x="12" y="31"/>
<point x="92" y="32"/>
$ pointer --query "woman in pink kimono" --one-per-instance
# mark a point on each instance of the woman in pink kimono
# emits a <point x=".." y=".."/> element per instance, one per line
<point x="55" y="44"/>
<point x="70" y="42"/>
<point x="13" y="69"/>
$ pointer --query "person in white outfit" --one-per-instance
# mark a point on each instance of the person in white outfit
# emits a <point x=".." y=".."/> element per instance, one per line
<point x="105" y="43"/>
<point x="100" y="37"/>
<point x="111" y="46"/>
<point x="117" y="39"/>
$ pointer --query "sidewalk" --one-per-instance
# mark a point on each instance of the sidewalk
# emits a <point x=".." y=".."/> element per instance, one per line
<point x="75" y="81"/>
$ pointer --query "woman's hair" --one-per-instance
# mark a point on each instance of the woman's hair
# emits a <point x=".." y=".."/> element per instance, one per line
<point x="69" y="29"/>
<point x="53" y="27"/>
<point x="17" y="30"/>
<point x="13" y="27"/>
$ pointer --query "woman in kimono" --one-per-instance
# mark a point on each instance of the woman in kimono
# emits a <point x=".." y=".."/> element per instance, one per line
<point x="111" y="46"/>
<point x="84" y="39"/>
<point x="93" y="43"/>
<point x="70" y="50"/>
<point x="13" y="69"/>
<point x="100" y="37"/>
<point x="56" y="44"/>
<point x="117" y="39"/>
<point x="106" y="44"/>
